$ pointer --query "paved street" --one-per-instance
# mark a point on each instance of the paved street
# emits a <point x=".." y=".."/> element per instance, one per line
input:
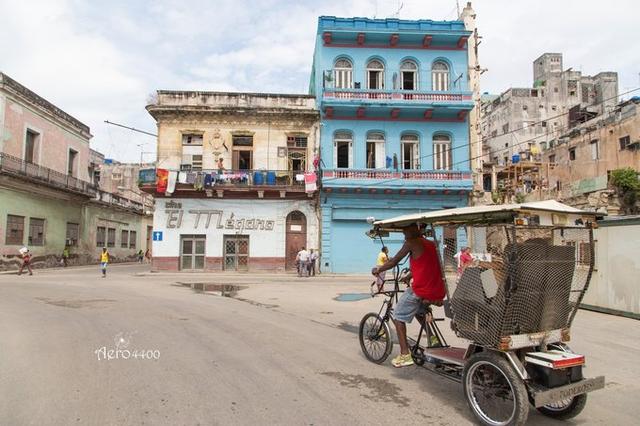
<point x="279" y="351"/>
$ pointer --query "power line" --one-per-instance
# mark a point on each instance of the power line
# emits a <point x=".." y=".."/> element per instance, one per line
<point x="130" y="128"/>
<point x="554" y="133"/>
<point x="534" y="138"/>
<point x="522" y="128"/>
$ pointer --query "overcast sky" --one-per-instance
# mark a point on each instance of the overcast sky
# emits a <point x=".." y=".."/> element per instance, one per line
<point x="101" y="60"/>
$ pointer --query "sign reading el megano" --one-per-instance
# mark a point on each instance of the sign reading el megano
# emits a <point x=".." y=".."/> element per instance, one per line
<point x="213" y="218"/>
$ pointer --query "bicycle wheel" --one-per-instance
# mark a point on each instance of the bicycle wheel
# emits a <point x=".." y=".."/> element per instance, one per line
<point x="375" y="338"/>
<point x="494" y="391"/>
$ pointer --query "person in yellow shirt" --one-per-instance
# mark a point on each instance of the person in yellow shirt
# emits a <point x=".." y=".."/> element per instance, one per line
<point x="383" y="257"/>
<point x="104" y="261"/>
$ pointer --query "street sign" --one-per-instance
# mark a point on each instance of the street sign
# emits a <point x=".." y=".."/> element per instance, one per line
<point x="157" y="235"/>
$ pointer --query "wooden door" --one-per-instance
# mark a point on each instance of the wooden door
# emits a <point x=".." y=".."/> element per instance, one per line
<point x="296" y="237"/>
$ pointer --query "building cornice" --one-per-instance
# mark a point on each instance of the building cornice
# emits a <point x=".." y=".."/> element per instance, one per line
<point x="30" y="98"/>
<point x="232" y="114"/>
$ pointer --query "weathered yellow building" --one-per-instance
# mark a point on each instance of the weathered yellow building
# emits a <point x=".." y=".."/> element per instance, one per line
<point x="235" y="165"/>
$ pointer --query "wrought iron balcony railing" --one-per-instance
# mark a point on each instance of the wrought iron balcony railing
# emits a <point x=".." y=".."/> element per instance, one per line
<point x="19" y="167"/>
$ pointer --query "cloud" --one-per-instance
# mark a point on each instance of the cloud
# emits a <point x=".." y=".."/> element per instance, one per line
<point x="101" y="60"/>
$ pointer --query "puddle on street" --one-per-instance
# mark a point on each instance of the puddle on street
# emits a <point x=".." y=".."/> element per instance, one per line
<point x="373" y="389"/>
<point x="224" y="290"/>
<point x="352" y="297"/>
<point x="76" y="303"/>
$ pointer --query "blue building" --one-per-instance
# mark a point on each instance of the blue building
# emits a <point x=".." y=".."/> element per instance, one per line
<point x="394" y="99"/>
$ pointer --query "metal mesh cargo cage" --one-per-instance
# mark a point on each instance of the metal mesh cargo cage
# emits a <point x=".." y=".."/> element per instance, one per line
<point x="524" y="280"/>
<point x="532" y="265"/>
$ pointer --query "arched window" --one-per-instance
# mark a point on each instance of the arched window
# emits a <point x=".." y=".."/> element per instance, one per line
<point x="440" y="76"/>
<point x="410" y="150"/>
<point x="408" y="75"/>
<point x="375" y="151"/>
<point x="375" y="75"/>
<point x="441" y="152"/>
<point x="343" y="74"/>
<point x="342" y="147"/>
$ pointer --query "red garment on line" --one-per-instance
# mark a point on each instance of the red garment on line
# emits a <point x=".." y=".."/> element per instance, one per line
<point x="162" y="179"/>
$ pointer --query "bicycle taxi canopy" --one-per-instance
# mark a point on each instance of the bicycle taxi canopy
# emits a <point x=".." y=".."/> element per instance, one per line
<point x="550" y="212"/>
<point x="532" y="265"/>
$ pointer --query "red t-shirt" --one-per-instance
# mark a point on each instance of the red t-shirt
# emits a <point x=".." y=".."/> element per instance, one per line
<point x="427" y="275"/>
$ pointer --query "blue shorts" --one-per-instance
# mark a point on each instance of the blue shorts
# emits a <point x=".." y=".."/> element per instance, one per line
<point x="408" y="307"/>
<point x="103" y="265"/>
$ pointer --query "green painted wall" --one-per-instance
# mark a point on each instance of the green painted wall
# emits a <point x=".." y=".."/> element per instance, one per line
<point x="56" y="213"/>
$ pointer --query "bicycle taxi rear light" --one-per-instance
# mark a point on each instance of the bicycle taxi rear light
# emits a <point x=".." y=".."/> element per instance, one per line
<point x="555" y="359"/>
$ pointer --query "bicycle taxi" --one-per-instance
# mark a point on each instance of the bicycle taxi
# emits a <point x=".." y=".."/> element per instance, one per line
<point x="514" y="304"/>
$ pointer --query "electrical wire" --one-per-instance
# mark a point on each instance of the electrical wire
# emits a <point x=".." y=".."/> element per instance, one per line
<point x="553" y="133"/>
<point x="534" y="138"/>
<point x="522" y="128"/>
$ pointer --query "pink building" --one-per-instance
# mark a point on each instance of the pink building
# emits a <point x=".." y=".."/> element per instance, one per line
<point x="50" y="195"/>
<point x="41" y="133"/>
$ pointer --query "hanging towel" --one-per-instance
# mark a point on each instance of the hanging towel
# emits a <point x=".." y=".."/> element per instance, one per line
<point x="310" y="182"/>
<point x="162" y="175"/>
<point x="208" y="180"/>
<point x="171" y="182"/>
<point x="191" y="178"/>
<point x="182" y="177"/>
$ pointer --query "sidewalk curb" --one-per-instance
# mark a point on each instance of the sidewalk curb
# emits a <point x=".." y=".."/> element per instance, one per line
<point x="74" y="267"/>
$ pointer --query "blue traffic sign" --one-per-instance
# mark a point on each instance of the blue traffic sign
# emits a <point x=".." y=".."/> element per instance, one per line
<point x="157" y="235"/>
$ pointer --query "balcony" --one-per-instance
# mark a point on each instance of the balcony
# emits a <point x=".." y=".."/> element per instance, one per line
<point x="395" y="95"/>
<point x="235" y="183"/>
<point x="401" y="180"/>
<point x="17" y="167"/>
<point x="143" y="206"/>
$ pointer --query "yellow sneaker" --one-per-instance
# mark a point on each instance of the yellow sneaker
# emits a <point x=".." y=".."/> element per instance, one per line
<point x="402" y="361"/>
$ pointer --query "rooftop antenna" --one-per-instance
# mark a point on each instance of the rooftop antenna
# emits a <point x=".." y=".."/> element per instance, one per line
<point x="458" y="8"/>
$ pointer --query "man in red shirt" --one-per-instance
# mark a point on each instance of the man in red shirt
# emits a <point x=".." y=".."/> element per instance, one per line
<point x="427" y="286"/>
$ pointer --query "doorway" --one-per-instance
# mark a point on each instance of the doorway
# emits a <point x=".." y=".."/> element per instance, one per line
<point x="192" y="252"/>
<point x="236" y="252"/>
<point x="31" y="147"/>
<point x="296" y="237"/>
<point x="149" y="235"/>
<point x="342" y="149"/>
<point x="450" y="241"/>
<point x="242" y="155"/>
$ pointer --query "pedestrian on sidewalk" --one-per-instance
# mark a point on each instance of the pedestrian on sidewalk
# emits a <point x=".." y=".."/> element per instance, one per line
<point x="104" y="261"/>
<point x="383" y="257"/>
<point x="140" y="256"/>
<point x="65" y="256"/>
<point x="147" y="255"/>
<point x="26" y="261"/>
<point x="313" y="258"/>
<point x="303" y="262"/>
